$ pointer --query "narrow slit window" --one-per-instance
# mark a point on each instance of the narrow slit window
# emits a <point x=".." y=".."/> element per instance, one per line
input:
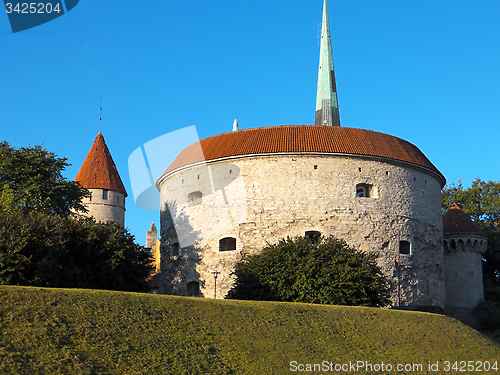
<point x="104" y="194"/>
<point x="175" y="249"/>
<point x="363" y="190"/>
<point x="193" y="289"/>
<point x="404" y="247"/>
<point x="313" y="235"/>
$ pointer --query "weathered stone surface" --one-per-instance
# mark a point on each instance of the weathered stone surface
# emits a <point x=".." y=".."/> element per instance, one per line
<point x="261" y="199"/>
<point x="104" y="210"/>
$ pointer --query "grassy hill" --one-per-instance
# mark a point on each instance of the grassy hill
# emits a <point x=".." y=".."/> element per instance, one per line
<point x="62" y="331"/>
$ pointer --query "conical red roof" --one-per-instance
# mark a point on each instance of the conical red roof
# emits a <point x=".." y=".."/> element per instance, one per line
<point x="99" y="171"/>
<point x="457" y="222"/>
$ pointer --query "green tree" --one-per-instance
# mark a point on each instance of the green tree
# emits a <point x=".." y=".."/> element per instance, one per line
<point x="482" y="202"/>
<point x="31" y="179"/>
<point x="37" y="249"/>
<point x="324" y="271"/>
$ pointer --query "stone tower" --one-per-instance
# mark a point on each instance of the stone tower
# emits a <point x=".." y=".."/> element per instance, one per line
<point x="327" y="108"/>
<point x="464" y="243"/>
<point x="153" y="243"/>
<point x="98" y="173"/>
<point x="230" y="195"/>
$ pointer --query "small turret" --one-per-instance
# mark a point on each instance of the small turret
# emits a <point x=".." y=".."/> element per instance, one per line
<point x="464" y="243"/>
<point x="151" y="236"/>
<point x="98" y="173"/>
<point x="153" y="243"/>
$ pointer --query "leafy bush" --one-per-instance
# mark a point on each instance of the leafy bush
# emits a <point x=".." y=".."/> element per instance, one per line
<point x="53" y="251"/>
<point x="324" y="271"/>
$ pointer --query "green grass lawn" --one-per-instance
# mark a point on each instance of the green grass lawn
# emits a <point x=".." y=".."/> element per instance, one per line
<point x="63" y="331"/>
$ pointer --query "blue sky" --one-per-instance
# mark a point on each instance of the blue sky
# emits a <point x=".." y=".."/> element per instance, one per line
<point x="426" y="71"/>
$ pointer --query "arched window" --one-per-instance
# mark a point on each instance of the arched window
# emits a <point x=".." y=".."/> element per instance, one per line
<point x="175" y="249"/>
<point x="227" y="244"/>
<point x="313" y="235"/>
<point x="363" y="190"/>
<point x="193" y="289"/>
<point x="195" y="198"/>
<point x="445" y="245"/>
<point x="404" y="247"/>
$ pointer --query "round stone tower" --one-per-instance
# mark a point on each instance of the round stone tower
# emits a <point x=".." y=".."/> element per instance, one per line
<point x="232" y="194"/>
<point x="464" y="243"/>
<point x="98" y="173"/>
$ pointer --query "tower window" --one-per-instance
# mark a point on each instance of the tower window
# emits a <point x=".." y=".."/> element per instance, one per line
<point x="227" y="244"/>
<point x="363" y="190"/>
<point x="193" y="289"/>
<point x="175" y="249"/>
<point x="104" y="194"/>
<point x="404" y="247"/>
<point x="195" y="198"/>
<point x="313" y="235"/>
<point x="118" y="200"/>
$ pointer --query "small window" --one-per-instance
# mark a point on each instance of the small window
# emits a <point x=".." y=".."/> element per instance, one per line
<point x="315" y="167"/>
<point x="118" y="199"/>
<point x="90" y="198"/>
<point x="195" y="198"/>
<point x="104" y="194"/>
<point x="313" y="235"/>
<point x="363" y="190"/>
<point x="193" y="289"/>
<point x="404" y="247"/>
<point x="175" y="249"/>
<point x="227" y="244"/>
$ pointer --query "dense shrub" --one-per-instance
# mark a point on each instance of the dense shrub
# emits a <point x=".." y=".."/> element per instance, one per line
<point x="37" y="249"/>
<point x="325" y="271"/>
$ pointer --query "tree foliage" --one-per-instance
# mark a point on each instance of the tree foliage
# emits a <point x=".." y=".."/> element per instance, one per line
<point x="37" y="249"/>
<point x="41" y="244"/>
<point x="31" y="179"/>
<point x="482" y="202"/>
<point x="325" y="271"/>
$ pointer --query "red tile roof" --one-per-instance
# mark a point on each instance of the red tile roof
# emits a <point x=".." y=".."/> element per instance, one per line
<point x="456" y="222"/>
<point x="98" y="171"/>
<point x="304" y="139"/>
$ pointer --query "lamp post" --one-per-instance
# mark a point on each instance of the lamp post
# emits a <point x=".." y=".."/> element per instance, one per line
<point x="215" y="282"/>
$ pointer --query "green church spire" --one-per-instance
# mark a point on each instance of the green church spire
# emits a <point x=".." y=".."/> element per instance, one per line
<point x="327" y="108"/>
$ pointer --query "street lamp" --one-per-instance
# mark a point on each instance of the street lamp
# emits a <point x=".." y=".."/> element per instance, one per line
<point x="215" y="282"/>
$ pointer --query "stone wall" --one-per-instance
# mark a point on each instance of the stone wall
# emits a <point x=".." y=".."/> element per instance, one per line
<point x="104" y="210"/>
<point x="259" y="200"/>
